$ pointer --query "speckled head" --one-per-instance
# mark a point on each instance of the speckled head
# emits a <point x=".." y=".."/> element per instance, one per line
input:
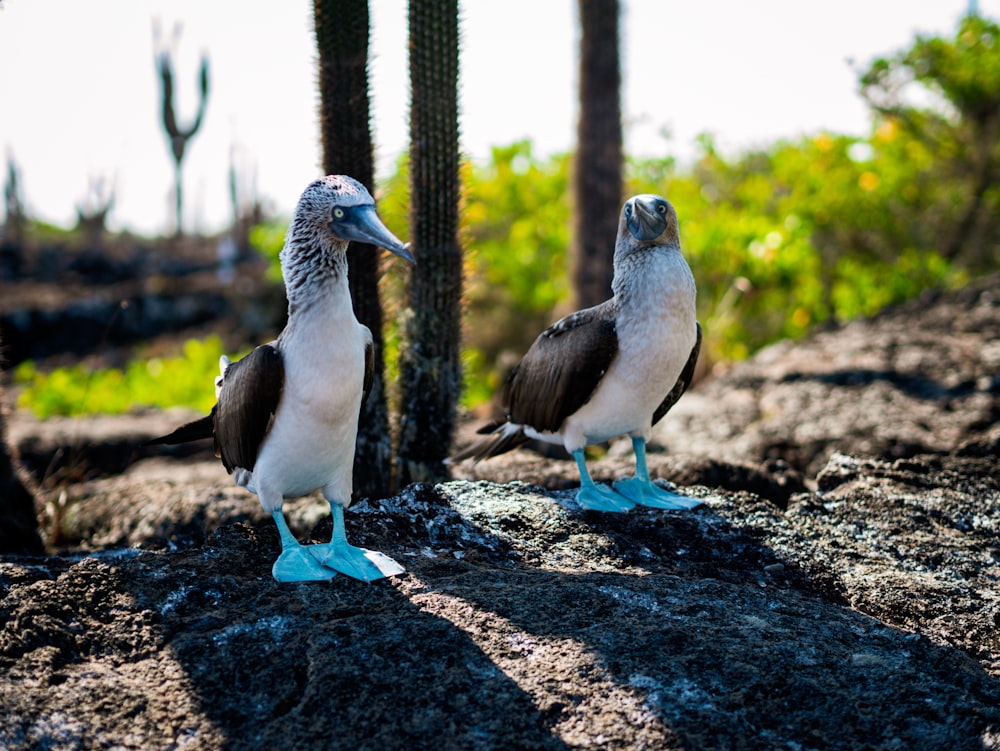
<point x="319" y="194"/>
<point x="336" y="210"/>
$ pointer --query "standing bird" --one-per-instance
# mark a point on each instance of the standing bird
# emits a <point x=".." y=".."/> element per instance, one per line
<point x="286" y="415"/>
<point x="612" y="369"/>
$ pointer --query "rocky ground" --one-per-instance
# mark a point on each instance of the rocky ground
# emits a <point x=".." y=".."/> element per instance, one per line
<point x="838" y="589"/>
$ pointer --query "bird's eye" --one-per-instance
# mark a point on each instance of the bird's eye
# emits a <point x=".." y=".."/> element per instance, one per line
<point x="338" y="213"/>
<point x="628" y="209"/>
<point x="662" y="208"/>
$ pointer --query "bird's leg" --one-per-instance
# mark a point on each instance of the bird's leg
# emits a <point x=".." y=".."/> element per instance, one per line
<point x="644" y="491"/>
<point x="357" y="563"/>
<point x="295" y="564"/>
<point x="594" y="497"/>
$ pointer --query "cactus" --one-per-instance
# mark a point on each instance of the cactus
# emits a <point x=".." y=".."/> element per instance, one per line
<point x="177" y="135"/>
<point x="597" y="177"/>
<point x="244" y="199"/>
<point x="92" y="212"/>
<point x="430" y="364"/>
<point x="342" y="30"/>
<point x="14" y="218"/>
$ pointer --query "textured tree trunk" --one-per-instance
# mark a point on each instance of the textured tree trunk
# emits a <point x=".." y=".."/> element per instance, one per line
<point x="983" y="178"/>
<point x="430" y="365"/>
<point x="18" y="521"/>
<point x="342" y="29"/>
<point x="597" y="173"/>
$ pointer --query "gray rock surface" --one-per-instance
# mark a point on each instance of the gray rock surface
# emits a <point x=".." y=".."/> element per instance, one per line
<point x="920" y="378"/>
<point x="838" y="589"/>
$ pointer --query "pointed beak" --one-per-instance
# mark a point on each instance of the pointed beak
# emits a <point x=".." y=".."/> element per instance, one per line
<point x="645" y="224"/>
<point x="366" y="227"/>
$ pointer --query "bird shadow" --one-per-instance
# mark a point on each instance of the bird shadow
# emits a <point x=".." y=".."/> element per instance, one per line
<point x="338" y="665"/>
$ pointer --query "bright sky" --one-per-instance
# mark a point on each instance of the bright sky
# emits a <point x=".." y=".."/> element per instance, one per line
<point x="80" y="100"/>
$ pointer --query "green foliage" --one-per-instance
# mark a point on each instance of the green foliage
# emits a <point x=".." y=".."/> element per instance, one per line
<point x="784" y="239"/>
<point x="46" y="234"/>
<point x="954" y="130"/>
<point x="515" y="226"/>
<point x="267" y="239"/>
<point x="182" y="381"/>
<point x="964" y="71"/>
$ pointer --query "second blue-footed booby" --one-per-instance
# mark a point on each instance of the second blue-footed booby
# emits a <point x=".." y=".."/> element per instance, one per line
<point x="286" y="415"/>
<point x="612" y="369"/>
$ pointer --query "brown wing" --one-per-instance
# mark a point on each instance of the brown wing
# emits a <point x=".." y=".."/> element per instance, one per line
<point x="248" y="399"/>
<point x="562" y="368"/>
<point x="683" y="381"/>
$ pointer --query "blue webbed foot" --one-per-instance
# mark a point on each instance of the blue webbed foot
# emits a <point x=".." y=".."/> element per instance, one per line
<point x="296" y="564"/>
<point x="594" y="497"/>
<point x="358" y="563"/>
<point x="646" y="493"/>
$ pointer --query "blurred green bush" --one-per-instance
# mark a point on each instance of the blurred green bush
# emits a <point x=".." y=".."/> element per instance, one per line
<point x="185" y="380"/>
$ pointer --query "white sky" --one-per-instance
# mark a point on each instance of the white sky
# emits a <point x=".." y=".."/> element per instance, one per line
<point x="79" y="96"/>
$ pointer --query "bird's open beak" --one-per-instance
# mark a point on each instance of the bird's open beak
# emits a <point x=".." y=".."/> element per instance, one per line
<point x="368" y="228"/>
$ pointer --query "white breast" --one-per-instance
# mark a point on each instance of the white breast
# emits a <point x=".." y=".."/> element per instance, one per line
<point x="311" y="443"/>
<point x="656" y="332"/>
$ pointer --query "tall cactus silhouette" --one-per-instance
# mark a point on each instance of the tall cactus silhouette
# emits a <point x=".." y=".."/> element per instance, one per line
<point x="177" y="135"/>
<point x="14" y="216"/>
<point x="244" y="198"/>
<point x="430" y="366"/>
<point x="92" y="212"/>
<point x="342" y="31"/>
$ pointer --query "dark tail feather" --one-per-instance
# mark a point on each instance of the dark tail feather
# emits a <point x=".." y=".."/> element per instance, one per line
<point x="193" y="431"/>
<point x="500" y="441"/>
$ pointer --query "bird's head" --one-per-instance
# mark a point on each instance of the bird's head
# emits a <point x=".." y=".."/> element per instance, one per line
<point x="338" y="209"/>
<point x="648" y="220"/>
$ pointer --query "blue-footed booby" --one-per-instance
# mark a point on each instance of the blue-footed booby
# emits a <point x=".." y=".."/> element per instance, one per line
<point x="286" y="415"/>
<point x="612" y="369"/>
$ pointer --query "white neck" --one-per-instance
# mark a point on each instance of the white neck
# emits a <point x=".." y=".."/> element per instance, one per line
<point x="651" y="277"/>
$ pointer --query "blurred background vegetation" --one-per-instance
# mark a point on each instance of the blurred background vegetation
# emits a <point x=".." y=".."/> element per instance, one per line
<point x="825" y="227"/>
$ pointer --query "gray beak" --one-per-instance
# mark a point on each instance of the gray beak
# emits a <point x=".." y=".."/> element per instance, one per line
<point x="365" y="226"/>
<point x="645" y="224"/>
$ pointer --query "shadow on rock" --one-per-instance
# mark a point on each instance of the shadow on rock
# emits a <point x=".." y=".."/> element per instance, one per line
<point x="522" y="623"/>
<point x="204" y="648"/>
<point x="682" y="663"/>
<point x="683" y="630"/>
